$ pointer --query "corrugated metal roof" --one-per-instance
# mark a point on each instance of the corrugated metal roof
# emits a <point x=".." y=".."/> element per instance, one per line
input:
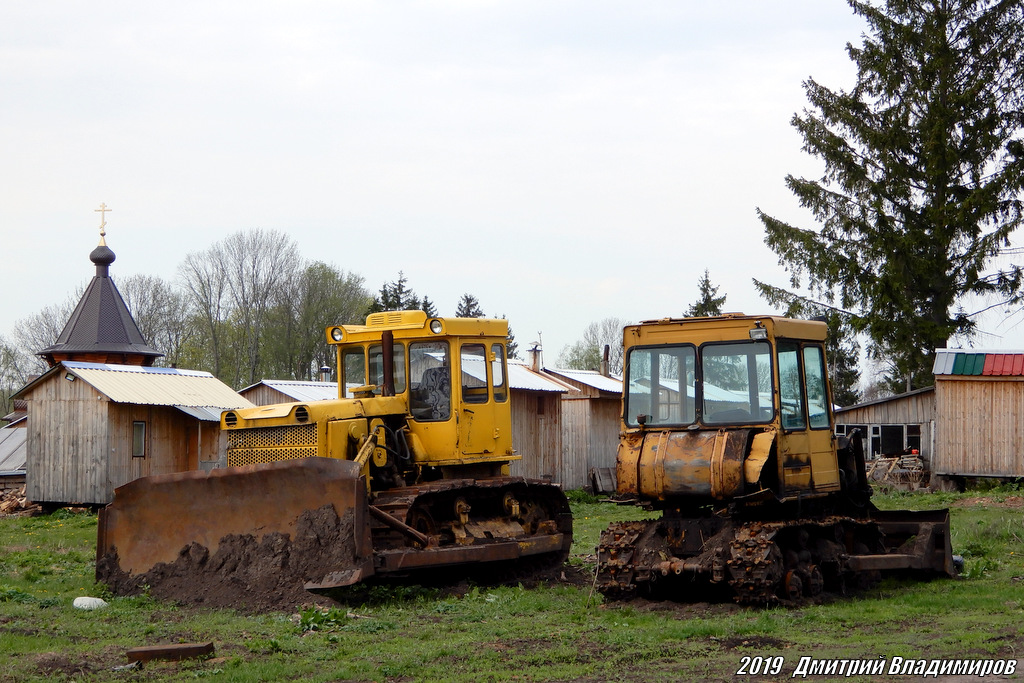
<point x="976" y="363"/>
<point x="157" y="386"/>
<point x="12" y="449"/>
<point x="592" y="379"/>
<point x="522" y="377"/>
<point x="301" y="391"/>
<point x="202" y="412"/>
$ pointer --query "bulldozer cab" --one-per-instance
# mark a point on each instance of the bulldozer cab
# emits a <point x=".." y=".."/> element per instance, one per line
<point x="726" y="407"/>
<point x="451" y="375"/>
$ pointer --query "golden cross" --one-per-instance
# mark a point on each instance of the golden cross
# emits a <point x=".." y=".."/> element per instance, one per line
<point x="103" y="220"/>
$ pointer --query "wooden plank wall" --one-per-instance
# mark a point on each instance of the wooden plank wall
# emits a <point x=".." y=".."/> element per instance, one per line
<point x="918" y="409"/>
<point x="168" y="446"/>
<point x="576" y="436"/>
<point x="536" y="435"/>
<point x="67" y="443"/>
<point x="605" y="425"/>
<point x="590" y="437"/>
<point x="980" y="427"/>
<point x="262" y="395"/>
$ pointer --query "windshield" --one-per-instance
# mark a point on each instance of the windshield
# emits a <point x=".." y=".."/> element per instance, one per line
<point x="663" y="386"/>
<point x="737" y="383"/>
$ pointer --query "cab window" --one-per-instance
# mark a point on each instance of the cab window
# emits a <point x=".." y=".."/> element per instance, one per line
<point x="353" y="363"/>
<point x="377" y="367"/>
<point x="737" y="386"/>
<point x="430" y="387"/>
<point x="498" y="373"/>
<point x="790" y="390"/>
<point x="661" y="385"/>
<point x="817" y="390"/>
<point x="474" y="373"/>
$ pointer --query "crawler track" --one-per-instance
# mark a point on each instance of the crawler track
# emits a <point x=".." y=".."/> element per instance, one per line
<point x="761" y="562"/>
<point x="522" y="526"/>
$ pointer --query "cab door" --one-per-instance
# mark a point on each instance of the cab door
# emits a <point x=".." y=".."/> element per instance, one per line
<point x="820" y="434"/>
<point x="477" y="433"/>
<point x="806" y="447"/>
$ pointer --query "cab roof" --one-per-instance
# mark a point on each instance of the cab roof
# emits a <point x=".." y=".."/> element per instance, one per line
<point x="726" y="327"/>
<point x="416" y="325"/>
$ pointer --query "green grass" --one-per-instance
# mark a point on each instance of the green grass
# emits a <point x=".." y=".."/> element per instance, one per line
<point x="557" y="632"/>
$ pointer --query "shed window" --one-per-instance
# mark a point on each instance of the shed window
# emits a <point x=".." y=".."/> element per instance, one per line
<point x="914" y="437"/>
<point x="138" y="439"/>
<point x="892" y="440"/>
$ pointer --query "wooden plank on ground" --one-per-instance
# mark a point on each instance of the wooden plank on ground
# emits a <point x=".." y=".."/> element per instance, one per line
<point x="171" y="652"/>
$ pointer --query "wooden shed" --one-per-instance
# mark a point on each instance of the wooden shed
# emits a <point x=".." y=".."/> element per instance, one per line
<point x="979" y="399"/>
<point x="893" y="425"/>
<point x="537" y="427"/>
<point x="93" y="427"/>
<point x="591" y="422"/>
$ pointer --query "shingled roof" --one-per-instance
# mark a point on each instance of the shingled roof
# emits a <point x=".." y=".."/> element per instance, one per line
<point x="101" y="330"/>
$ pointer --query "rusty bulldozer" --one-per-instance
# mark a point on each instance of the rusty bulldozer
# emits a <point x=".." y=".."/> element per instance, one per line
<point x="728" y="431"/>
<point x="407" y="470"/>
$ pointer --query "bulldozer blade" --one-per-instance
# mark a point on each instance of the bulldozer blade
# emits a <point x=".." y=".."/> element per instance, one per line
<point x="916" y="540"/>
<point x="153" y="519"/>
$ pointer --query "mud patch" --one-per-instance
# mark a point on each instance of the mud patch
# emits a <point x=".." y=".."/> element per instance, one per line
<point x="56" y="665"/>
<point x="246" y="573"/>
<point x="762" y="643"/>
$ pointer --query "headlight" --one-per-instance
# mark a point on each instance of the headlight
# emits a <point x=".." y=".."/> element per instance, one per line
<point x="337" y="334"/>
<point x="436" y="327"/>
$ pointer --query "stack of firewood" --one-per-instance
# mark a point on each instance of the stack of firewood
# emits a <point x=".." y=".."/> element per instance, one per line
<point x="14" y="502"/>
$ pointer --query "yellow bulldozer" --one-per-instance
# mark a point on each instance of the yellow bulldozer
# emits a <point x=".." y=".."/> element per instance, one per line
<point x="727" y="429"/>
<point x="406" y="470"/>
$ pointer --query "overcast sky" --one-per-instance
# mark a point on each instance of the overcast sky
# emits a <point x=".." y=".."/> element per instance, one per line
<point x="562" y="161"/>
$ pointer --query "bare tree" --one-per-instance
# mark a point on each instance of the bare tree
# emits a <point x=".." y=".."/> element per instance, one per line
<point x="323" y="295"/>
<point x="204" y="276"/>
<point x="161" y="312"/>
<point x="586" y="354"/>
<point x="260" y="265"/>
<point x="16" y="367"/>
<point x="40" y="330"/>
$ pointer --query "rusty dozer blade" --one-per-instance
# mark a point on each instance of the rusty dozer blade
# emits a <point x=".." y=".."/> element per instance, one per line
<point x="152" y="519"/>
<point x="914" y="540"/>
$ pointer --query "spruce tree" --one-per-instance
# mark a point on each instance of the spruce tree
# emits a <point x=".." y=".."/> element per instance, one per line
<point x="924" y="166"/>
<point x="428" y="307"/>
<point x="469" y="307"/>
<point x="395" y="296"/>
<point x="708" y="304"/>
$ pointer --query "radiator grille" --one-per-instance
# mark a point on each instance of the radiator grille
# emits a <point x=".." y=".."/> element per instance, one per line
<point x="271" y="444"/>
<point x="273" y="437"/>
<point x="238" y="457"/>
